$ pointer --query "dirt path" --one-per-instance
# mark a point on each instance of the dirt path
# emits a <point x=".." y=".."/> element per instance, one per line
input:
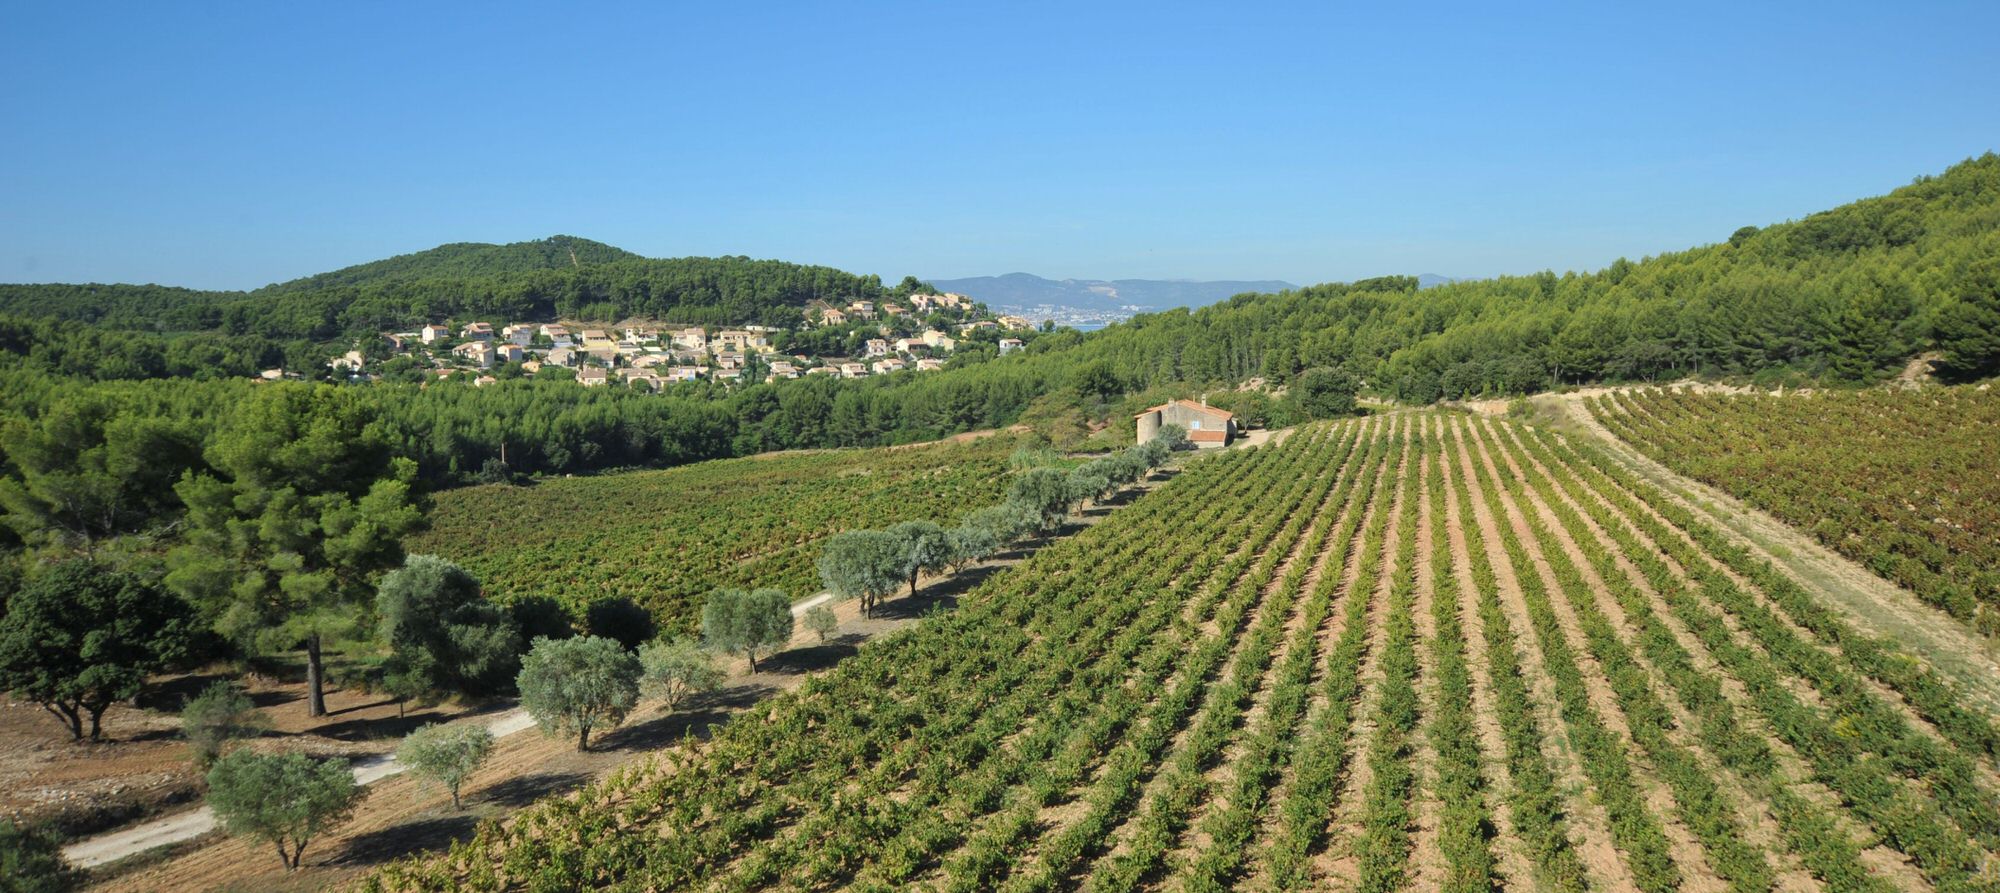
<point x="105" y="849"/>
<point x="1871" y="603"/>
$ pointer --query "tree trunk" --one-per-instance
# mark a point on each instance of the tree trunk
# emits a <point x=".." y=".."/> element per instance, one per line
<point x="913" y="584"/>
<point x="70" y="718"/>
<point x="583" y="738"/>
<point x="315" y="692"/>
<point x="96" y="723"/>
<point x="752" y="655"/>
<point x="454" y="798"/>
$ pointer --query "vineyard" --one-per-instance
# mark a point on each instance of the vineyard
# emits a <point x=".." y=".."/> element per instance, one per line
<point x="1418" y="651"/>
<point x="1908" y="484"/>
<point x="667" y="538"/>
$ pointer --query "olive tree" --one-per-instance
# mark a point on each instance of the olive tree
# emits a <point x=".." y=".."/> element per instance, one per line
<point x="447" y="755"/>
<point x="820" y="619"/>
<point x="863" y="564"/>
<point x="1085" y="484"/>
<point x="740" y="622"/>
<point x="925" y="548"/>
<point x="1046" y="493"/>
<point x="674" y="671"/>
<point x="1007" y="522"/>
<point x="970" y="544"/>
<point x="445" y="635"/>
<point x="575" y="685"/>
<point x="284" y="799"/>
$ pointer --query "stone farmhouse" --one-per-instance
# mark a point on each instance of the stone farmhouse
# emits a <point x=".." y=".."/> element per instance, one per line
<point x="1207" y="427"/>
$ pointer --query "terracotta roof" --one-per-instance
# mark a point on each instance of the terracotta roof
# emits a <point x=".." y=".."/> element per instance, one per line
<point x="1197" y="407"/>
<point x="1206" y="436"/>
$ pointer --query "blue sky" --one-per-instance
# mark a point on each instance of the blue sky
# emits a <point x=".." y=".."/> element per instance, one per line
<point x="226" y="146"/>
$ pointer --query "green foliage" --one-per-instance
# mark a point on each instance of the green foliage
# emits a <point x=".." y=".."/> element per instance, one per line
<point x="446" y="755"/>
<point x="1006" y="522"/>
<point x="222" y="713"/>
<point x="576" y="685"/>
<point x="1968" y="326"/>
<point x="1902" y="483"/>
<point x="541" y="617"/>
<point x="619" y="619"/>
<point x="925" y="549"/>
<point x="667" y="538"/>
<point x="970" y="543"/>
<point x="676" y="670"/>
<point x="31" y="860"/>
<point x="91" y="467"/>
<point x="1323" y="393"/>
<point x="821" y="621"/>
<point x="744" y="622"/>
<point x="1045" y="492"/>
<point x="82" y="637"/>
<point x="286" y="800"/>
<point x="303" y="503"/>
<point x="445" y="635"/>
<point x="1086" y="483"/>
<point x="863" y="564"/>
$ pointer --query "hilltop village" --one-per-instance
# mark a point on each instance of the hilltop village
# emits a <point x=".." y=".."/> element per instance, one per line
<point x="852" y="340"/>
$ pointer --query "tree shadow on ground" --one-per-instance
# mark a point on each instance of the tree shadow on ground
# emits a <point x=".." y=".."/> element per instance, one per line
<point x="694" y="720"/>
<point x="397" y="841"/>
<point x="809" y="658"/>
<point x="379" y="728"/>
<point x="522" y="790"/>
<point x="170" y="695"/>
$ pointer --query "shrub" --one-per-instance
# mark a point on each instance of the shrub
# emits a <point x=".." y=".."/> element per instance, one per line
<point x="674" y="671"/>
<point x="820" y="620"/>
<point x="31" y="860"/>
<point x="222" y="713"/>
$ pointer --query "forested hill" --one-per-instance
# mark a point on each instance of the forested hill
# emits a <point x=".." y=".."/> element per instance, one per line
<point x="466" y="259"/>
<point x="526" y="281"/>
<point x="1846" y="295"/>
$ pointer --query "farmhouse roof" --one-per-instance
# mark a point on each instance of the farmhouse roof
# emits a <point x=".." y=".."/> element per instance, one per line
<point x="1197" y="407"/>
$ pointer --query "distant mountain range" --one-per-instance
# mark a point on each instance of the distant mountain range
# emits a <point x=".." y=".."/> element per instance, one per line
<point x="1026" y="290"/>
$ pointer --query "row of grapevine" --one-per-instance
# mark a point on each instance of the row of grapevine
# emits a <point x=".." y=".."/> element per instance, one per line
<point x="1270" y="673"/>
<point x="1905" y="483"/>
<point x="665" y="539"/>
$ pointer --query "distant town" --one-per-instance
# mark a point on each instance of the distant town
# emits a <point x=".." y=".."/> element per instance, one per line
<point x="849" y="341"/>
<point x="855" y="339"/>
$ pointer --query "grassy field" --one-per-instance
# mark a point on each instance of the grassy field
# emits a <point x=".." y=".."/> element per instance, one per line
<point x="1419" y="651"/>
<point x="1906" y="483"/>
<point x="666" y="538"/>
